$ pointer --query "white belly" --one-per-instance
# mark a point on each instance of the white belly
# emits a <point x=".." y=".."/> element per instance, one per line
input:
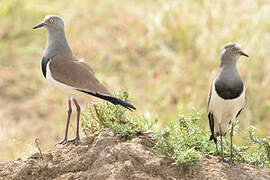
<point x="225" y="111"/>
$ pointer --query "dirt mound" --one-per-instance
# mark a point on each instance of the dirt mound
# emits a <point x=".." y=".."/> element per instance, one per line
<point x="104" y="156"/>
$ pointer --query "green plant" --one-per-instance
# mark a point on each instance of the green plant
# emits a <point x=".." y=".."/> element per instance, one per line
<point x="106" y="115"/>
<point x="259" y="153"/>
<point x="183" y="141"/>
<point x="186" y="143"/>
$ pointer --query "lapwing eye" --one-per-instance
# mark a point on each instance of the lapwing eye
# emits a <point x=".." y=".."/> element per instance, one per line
<point x="232" y="48"/>
<point x="51" y="20"/>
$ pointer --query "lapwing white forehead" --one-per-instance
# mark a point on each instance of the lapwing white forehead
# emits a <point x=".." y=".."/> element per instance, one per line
<point x="229" y="45"/>
<point x="232" y="45"/>
<point x="51" y="16"/>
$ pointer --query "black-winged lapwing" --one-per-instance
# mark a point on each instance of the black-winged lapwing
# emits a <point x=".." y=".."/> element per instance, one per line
<point x="227" y="96"/>
<point x="63" y="70"/>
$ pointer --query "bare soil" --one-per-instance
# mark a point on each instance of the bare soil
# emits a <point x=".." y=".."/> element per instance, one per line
<point x="104" y="156"/>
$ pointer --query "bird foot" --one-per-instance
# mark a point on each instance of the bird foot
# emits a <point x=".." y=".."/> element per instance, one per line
<point x="231" y="162"/>
<point x="75" y="141"/>
<point x="63" y="142"/>
<point x="222" y="159"/>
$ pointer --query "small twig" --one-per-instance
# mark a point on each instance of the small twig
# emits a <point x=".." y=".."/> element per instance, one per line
<point x="38" y="146"/>
<point x="146" y="133"/>
<point x="121" y="121"/>
<point x="99" y="117"/>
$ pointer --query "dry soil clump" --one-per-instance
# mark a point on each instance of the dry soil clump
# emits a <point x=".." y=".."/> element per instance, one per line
<point x="105" y="156"/>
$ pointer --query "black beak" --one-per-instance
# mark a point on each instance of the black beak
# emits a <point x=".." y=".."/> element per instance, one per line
<point x="39" y="25"/>
<point x="243" y="54"/>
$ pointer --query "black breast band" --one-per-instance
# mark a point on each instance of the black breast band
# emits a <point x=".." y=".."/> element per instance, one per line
<point x="227" y="91"/>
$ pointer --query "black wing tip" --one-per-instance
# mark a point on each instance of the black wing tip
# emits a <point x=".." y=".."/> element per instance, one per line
<point x="113" y="100"/>
<point x="132" y="109"/>
<point x="211" y="124"/>
<point x="212" y="138"/>
<point x="117" y="101"/>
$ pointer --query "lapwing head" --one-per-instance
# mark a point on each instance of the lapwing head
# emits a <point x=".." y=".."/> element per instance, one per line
<point x="233" y="50"/>
<point x="51" y="23"/>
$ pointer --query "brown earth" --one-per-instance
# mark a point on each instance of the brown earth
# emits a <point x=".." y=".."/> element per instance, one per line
<point x="104" y="156"/>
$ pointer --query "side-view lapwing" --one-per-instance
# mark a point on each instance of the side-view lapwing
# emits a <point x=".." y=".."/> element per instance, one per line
<point x="61" y="68"/>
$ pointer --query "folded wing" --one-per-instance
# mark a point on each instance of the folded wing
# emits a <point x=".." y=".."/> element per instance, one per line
<point x="77" y="74"/>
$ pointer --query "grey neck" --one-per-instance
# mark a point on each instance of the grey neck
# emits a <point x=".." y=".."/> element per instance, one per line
<point x="56" y="44"/>
<point x="228" y="69"/>
<point x="228" y="61"/>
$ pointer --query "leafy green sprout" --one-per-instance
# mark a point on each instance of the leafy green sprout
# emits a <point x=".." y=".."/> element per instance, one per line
<point x="186" y="143"/>
<point x="106" y="115"/>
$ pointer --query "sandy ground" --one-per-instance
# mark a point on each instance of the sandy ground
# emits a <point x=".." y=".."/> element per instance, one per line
<point x="104" y="156"/>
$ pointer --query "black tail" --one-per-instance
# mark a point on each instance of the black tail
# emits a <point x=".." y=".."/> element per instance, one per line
<point x="111" y="99"/>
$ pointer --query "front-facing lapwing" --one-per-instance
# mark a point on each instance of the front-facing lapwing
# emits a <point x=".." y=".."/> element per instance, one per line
<point x="61" y="68"/>
<point x="227" y="96"/>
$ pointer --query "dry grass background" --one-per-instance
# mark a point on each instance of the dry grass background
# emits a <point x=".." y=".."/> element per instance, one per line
<point x="165" y="53"/>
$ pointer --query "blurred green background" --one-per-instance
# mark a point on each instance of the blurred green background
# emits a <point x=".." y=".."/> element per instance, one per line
<point x="165" y="52"/>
